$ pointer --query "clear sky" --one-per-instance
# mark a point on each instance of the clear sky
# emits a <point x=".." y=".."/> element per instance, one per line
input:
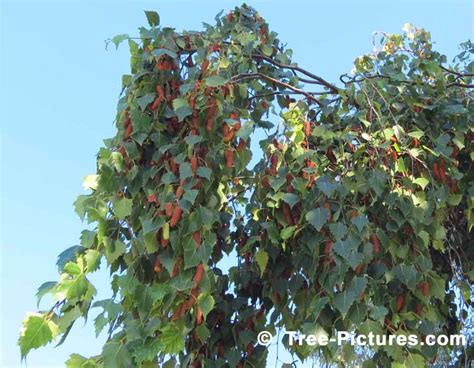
<point x="59" y="88"/>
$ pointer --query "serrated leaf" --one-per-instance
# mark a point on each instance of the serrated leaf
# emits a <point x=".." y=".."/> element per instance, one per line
<point x="185" y="170"/>
<point x="44" y="289"/>
<point x="90" y="182"/>
<point x="37" y="331"/>
<point x="360" y="222"/>
<point x="78" y="361"/>
<point x="123" y="207"/>
<point x="68" y="255"/>
<point x="378" y="313"/>
<point x="193" y="255"/>
<point x="72" y="268"/>
<point x="118" y="39"/>
<point x="181" y="108"/>
<point x="406" y="274"/>
<point x="92" y="258"/>
<point x="204" y="172"/>
<point x="326" y="185"/>
<point x="113" y="249"/>
<point x="246" y="130"/>
<point x="206" y="303"/>
<point x="338" y="229"/>
<point x="145" y="100"/>
<point x="116" y="355"/>
<point x="160" y="52"/>
<point x="317" y="217"/>
<point x="190" y="195"/>
<point x="79" y="206"/>
<point x="343" y="301"/>
<point x="290" y="198"/>
<point x="172" y="338"/>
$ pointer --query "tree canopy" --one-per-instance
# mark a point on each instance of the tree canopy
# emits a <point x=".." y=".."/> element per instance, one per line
<point x="357" y="217"/>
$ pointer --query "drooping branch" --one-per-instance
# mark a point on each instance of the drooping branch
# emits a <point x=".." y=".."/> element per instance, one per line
<point x="346" y="79"/>
<point x="315" y="79"/>
<point x="247" y="76"/>
<point x="458" y="74"/>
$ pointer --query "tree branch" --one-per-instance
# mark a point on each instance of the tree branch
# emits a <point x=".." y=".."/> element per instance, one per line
<point x="246" y="76"/>
<point x="317" y="80"/>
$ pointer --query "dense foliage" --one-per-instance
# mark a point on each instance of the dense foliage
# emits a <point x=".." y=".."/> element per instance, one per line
<point x="358" y="215"/>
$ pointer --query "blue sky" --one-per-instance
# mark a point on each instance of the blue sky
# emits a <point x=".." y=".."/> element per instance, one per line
<point x="59" y="88"/>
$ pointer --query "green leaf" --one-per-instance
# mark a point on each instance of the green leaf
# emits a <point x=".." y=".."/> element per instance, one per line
<point x="206" y="303"/>
<point x="326" y="185"/>
<point x="360" y="222"/>
<point x="338" y="229"/>
<point x="262" y="260"/>
<point x="267" y="50"/>
<point x="116" y="355"/>
<point x="194" y="255"/>
<point x="317" y="217"/>
<point x="37" y="331"/>
<point x="415" y="361"/>
<point x="92" y="258"/>
<point x="287" y="232"/>
<point x="145" y="100"/>
<point x="422" y="182"/>
<point x="79" y="206"/>
<point x="44" y="289"/>
<point x="246" y="130"/>
<point x="378" y="313"/>
<point x="416" y="134"/>
<point x="406" y="274"/>
<point x="123" y="207"/>
<point x="117" y="160"/>
<point x="344" y="300"/>
<point x="87" y="238"/>
<point x="181" y="108"/>
<point x="72" y="268"/>
<point x="172" y="338"/>
<point x="68" y="255"/>
<point x="153" y="18"/>
<point x="317" y="305"/>
<point x="158" y="291"/>
<point x="160" y="52"/>
<point x="454" y="199"/>
<point x="215" y="81"/>
<point x="78" y="361"/>
<point x="204" y="172"/>
<point x="118" y="39"/>
<point x="74" y="288"/>
<point x="423" y="235"/>
<point x="290" y="198"/>
<point x="191" y="140"/>
<point x="185" y="170"/>
<point x="113" y="249"/>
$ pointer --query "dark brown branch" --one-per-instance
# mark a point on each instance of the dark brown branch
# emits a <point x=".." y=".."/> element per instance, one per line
<point x="285" y="93"/>
<point x="317" y="79"/>
<point x="459" y="74"/>
<point x="367" y="77"/>
<point x="463" y="85"/>
<point x="246" y="76"/>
